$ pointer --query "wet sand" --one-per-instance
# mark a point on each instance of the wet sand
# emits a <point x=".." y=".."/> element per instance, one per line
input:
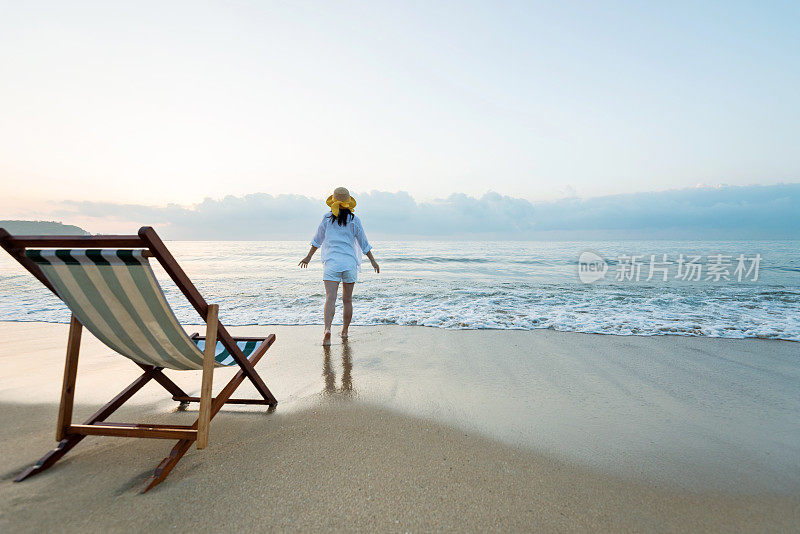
<point x="409" y="429"/>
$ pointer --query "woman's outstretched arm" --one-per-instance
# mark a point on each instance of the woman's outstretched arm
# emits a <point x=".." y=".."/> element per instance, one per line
<point x="316" y="242"/>
<point x="373" y="262"/>
<point x="304" y="262"/>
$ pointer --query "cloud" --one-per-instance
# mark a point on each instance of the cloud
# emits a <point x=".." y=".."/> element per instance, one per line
<point x="727" y="212"/>
<point x="705" y="212"/>
<point x="251" y="217"/>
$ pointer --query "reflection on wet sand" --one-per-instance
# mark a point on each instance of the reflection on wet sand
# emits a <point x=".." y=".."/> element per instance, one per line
<point x="329" y="375"/>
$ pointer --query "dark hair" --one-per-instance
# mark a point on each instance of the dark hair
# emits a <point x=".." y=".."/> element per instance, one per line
<point x="344" y="216"/>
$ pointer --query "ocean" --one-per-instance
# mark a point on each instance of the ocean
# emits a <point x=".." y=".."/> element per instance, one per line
<point x="734" y="289"/>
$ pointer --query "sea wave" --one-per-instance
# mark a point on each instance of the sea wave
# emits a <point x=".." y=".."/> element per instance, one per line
<point x="743" y="313"/>
<point x="513" y="286"/>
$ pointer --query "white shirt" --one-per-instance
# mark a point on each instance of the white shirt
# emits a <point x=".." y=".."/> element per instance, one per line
<point x="341" y="246"/>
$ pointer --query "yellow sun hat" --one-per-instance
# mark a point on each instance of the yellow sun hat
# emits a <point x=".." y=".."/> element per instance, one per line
<point x="341" y="199"/>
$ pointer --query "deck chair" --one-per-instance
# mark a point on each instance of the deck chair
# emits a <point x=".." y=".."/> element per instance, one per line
<point x="109" y="286"/>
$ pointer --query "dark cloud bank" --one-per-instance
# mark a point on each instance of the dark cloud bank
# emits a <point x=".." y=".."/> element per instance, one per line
<point x="747" y="212"/>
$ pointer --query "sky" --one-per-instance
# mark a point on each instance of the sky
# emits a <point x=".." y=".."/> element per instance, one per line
<point x="189" y="104"/>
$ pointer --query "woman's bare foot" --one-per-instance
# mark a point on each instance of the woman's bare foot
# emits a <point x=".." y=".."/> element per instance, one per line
<point x="343" y="333"/>
<point x="326" y="339"/>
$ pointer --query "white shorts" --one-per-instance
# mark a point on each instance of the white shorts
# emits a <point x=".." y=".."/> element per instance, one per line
<point x="348" y="277"/>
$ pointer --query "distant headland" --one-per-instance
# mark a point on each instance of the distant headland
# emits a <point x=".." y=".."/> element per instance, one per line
<point x="41" y="227"/>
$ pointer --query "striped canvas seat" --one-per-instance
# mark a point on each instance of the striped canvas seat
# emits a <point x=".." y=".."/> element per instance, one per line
<point x="114" y="293"/>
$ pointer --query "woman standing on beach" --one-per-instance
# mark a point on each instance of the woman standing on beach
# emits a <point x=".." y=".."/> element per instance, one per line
<point x="342" y="239"/>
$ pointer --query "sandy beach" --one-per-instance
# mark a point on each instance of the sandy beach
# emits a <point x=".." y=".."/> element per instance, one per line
<point x="420" y="429"/>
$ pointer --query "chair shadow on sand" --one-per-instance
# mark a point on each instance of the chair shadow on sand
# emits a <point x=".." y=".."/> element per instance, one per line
<point x="329" y="374"/>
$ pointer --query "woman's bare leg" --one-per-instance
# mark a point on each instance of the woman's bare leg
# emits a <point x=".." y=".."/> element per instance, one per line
<point x="347" y="307"/>
<point x="331" y="289"/>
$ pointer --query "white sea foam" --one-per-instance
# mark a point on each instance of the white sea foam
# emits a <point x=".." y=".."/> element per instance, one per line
<point x="472" y="286"/>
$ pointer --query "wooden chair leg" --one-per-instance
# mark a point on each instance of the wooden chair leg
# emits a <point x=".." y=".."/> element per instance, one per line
<point x="159" y="376"/>
<point x="182" y="446"/>
<point x="70" y="373"/>
<point x="204" y="417"/>
<point x="69" y="442"/>
<point x="167" y="464"/>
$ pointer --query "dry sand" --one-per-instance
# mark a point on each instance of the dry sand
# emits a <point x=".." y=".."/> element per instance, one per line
<point x="414" y="429"/>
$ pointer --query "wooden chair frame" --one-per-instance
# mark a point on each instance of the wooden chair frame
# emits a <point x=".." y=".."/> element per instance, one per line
<point x="68" y="434"/>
